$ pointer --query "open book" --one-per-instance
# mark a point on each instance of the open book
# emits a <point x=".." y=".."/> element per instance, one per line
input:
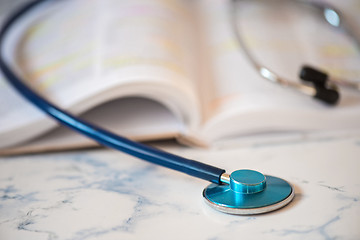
<point x="159" y="69"/>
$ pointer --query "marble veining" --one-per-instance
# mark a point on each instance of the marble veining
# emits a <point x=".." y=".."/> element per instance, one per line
<point x="104" y="194"/>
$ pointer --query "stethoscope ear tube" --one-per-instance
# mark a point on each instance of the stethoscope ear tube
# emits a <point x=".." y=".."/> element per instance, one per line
<point x="318" y="84"/>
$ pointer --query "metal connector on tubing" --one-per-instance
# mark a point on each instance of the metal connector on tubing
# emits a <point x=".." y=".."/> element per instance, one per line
<point x="225" y="178"/>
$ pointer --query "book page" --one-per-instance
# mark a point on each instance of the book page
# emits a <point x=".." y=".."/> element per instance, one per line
<point x="81" y="53"/>
<point x="241" y="102"/>
<point x="141" y="120"/>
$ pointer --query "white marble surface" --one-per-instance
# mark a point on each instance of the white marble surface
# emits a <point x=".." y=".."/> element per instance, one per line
<point x="104" y="194"/>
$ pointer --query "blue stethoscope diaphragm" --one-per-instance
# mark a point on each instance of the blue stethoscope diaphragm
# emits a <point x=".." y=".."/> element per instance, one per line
<point x="249" y="192"/>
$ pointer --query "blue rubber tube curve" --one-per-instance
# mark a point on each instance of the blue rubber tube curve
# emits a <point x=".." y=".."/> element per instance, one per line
<point x="150" y="154"/>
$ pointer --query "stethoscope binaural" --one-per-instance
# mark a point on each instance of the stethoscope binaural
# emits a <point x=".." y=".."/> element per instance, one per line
<point x="241" y="192"/>
<point x="316" y="83"/>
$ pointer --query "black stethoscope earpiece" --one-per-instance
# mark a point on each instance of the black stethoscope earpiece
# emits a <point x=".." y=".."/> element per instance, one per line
<point x="324" y="91"/>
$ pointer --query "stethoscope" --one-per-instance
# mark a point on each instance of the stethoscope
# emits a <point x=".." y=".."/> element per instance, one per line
<point x="242" y="192"/>
<point x="315" y="83"/>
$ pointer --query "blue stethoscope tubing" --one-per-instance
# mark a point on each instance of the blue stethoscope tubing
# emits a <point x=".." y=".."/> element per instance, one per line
<point x="191" y="167"/>
<point x="244" y="184"/>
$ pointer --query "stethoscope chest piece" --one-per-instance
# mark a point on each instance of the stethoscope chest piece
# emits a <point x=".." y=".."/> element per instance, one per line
<point x="249" y="192"/>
